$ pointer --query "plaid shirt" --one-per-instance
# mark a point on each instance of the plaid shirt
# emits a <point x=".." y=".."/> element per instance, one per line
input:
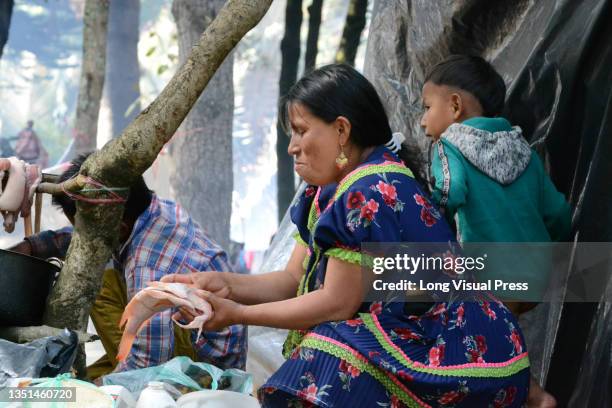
<point x="165" y="240"/>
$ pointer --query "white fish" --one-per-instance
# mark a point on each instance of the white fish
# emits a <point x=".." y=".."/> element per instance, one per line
<point x="155" y="298"/>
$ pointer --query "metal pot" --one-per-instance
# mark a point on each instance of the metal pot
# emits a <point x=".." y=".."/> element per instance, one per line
<point x="25" y="283"/>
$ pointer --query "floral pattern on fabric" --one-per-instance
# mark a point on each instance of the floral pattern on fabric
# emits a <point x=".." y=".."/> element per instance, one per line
<point x="429" y="214"/>
<point x="515" y="339"/>
<point x="476" y="347"/>
<point x="504" y="398"/>
<point x="388" y="191"/>
<point x="452" y="398"/>
<point x="436" y="353"/>
<point x="459" y="320"/>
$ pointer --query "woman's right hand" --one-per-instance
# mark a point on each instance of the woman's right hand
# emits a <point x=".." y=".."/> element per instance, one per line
<point x="212" y="281"/>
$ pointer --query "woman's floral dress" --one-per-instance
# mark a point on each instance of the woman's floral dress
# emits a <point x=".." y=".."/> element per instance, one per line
<point x="461" y="354"/>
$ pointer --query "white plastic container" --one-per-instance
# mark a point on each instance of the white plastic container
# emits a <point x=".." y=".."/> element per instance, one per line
<point x="122" y="397"/>
<point x="155" y="395"/>
<point x="217" y="399"/>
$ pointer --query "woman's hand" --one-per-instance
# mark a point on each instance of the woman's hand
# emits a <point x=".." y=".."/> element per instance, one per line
<point x="211" y="281"/>
<point x="225" y="312"/>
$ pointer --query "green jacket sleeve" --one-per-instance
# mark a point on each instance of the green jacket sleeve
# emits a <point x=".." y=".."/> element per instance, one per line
<point x="449" y="184"/>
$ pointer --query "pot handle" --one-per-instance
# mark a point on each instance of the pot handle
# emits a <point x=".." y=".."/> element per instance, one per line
<point x="57" y="262"/>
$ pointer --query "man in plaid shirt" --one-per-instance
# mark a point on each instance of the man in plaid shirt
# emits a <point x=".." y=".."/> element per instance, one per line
<point x="157" y="238"/>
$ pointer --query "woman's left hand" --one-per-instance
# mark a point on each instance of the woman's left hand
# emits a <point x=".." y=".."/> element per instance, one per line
<point x="225" y="312"/>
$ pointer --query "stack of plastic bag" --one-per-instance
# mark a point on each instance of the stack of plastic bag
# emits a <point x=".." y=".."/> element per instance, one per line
<point x="185" y="376"/>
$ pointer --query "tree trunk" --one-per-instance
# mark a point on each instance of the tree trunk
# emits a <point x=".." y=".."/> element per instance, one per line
<point x="202" y="179"/>
<point x="122" y="160"/>
<point x="95" y="19"/>
<point x="6" y="11"/>
<point x="355" y="23"/>
<point x="290" y="52"/>
<point x="122" y="86"/>
<point x="314" y="24"/>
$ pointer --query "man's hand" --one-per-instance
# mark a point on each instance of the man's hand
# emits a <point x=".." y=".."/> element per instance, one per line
<point x="215" y="282"/>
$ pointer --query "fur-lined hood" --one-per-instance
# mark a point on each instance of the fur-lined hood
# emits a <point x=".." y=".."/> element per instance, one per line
<point x="501" y="155"/>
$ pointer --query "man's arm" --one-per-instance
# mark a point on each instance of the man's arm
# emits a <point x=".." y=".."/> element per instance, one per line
<point x="46" y="244"/>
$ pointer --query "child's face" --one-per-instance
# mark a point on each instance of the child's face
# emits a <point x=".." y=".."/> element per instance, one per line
<point x="440" y="109"/>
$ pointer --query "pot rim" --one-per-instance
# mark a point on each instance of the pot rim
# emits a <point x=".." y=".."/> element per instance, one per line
<point x="6" y="252"/>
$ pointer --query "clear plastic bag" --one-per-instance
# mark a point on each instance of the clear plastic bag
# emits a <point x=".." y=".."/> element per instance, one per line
<point x="184" y="375"/>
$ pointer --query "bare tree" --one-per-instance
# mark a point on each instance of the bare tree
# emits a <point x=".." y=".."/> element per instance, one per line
<point x="290" y="52"/>
<point x="6" y="11"/>
<point x="122" y="88"/>
<point x="355" y="23"/>
<point x="124" y="159"/>
<point x="314" y="25"/>
<point x="95" y="19"/>
<point x="202" y="151"/>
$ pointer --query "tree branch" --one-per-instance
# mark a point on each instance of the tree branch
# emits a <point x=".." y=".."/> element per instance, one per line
<point x="122" y="160"/>
<point x="73" y="185"/>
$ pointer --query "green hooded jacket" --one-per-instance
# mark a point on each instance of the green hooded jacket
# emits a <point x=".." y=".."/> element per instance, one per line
<point x="485" y="176"/>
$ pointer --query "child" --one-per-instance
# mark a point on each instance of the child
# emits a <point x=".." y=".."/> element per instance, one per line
<point x="484" y="174"/>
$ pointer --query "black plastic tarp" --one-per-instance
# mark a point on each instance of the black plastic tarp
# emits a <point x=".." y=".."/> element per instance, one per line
<point x="556" y="59"/>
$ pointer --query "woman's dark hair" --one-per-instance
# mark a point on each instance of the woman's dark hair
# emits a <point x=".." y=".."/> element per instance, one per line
<point x="475" y="75"/>
<point x="340" y="90"/>
<point x="138" y="200"/>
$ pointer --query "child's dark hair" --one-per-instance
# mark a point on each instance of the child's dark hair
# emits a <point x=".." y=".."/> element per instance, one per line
<point x="138" y="200"/>
<point x="475" y="75"/>
<point x="340" y="90"/>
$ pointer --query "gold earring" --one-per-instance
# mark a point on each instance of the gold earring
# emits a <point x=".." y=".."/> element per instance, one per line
<point x="341" y="160"/>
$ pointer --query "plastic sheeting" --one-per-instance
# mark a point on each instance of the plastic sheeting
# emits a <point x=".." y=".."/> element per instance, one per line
<point x="45" y="357"/>
<point x="555" y="56"/>
<point x="266" y="344"/>
<point x="183" y="376"/>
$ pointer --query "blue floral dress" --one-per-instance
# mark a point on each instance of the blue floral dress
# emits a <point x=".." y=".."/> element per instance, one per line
<point x="469" y="353"/>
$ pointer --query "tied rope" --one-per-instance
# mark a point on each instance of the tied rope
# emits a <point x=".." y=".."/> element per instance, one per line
<point x="114" y="197"/>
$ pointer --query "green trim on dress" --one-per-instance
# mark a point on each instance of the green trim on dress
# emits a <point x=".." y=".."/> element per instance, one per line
<point x="485" y="372"/>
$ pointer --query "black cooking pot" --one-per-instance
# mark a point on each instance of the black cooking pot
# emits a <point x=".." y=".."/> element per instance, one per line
<point x="25" y="283"/>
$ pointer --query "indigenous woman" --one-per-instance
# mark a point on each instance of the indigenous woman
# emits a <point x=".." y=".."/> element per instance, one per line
<point x="342" y="352"/>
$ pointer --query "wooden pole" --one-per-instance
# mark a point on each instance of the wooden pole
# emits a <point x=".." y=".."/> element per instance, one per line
<point x="27" y="225"/>
<point x="38" y="201"/>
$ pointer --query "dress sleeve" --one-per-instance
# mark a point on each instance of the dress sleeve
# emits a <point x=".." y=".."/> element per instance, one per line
<point x="300" y="213"/>
<point x="368" y="211"/>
